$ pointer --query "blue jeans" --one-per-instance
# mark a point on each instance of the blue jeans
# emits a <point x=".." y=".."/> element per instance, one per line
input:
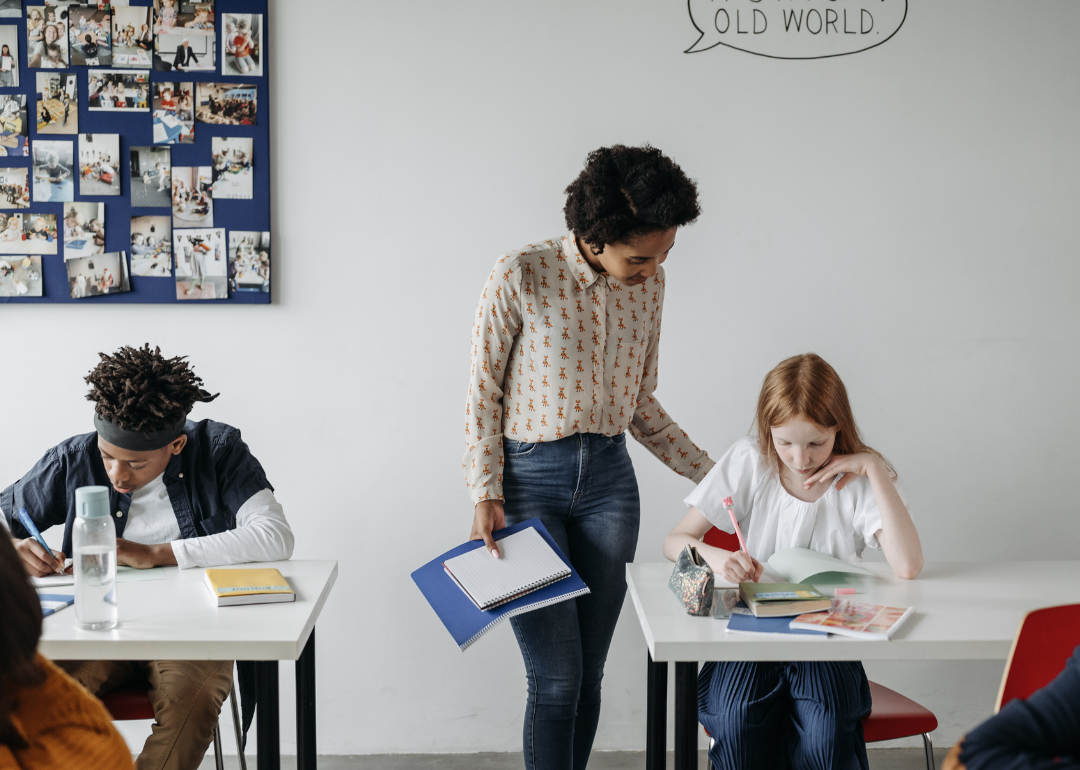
<point x="804" y="715"/>
<point x="584" y="490"/>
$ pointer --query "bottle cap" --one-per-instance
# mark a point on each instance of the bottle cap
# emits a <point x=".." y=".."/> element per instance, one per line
<point x="92" y="502"/>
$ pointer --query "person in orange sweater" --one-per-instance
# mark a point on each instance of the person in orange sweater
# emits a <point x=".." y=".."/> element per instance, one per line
<point x="47" y="720"/>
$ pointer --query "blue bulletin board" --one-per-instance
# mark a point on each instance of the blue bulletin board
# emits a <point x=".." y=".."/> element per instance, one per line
<point x="213" y="165"/>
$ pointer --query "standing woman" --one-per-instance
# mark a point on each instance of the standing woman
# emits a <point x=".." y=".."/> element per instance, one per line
<point x="564" y="362"/>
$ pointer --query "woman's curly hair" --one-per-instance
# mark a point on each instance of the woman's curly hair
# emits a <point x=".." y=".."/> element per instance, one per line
<point x="626" y="192"/>
<point x="139" y="389"/>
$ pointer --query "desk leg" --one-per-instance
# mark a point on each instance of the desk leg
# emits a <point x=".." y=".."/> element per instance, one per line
<point x="686" y="723"/>
<point x="656" y="717"/>
<point x="269" y="737"/>
<point x="305" y="707"/>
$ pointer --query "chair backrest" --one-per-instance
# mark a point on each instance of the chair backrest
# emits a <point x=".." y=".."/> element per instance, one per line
<point x="1046" y="639"/>
<point x="718" y="538"/>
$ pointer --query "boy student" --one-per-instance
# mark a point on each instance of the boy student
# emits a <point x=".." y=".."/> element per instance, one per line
<point x="184" y="493"/>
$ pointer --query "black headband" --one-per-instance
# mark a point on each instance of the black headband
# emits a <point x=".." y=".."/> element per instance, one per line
<point x="138" y="441"/>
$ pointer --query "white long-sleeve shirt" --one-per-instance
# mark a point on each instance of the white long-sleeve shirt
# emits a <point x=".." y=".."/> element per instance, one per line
<point x="261" y="533"/>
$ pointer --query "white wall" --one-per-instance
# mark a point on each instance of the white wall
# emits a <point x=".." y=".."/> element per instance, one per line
<point x="908" y="213"/>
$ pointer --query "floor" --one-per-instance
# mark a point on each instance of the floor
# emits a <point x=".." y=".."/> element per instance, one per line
<point x="150" y="195"/>
<point x="97" y="187"/>
<point x="880" y="759"/>
<point x="213" y="287"/>
<point x="206" y="220"/>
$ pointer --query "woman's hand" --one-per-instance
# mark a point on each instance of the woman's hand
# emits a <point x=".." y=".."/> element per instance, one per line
<point x="741" y="567"/>
<point x="488" y="515"/>
<point x="863" y="464"/>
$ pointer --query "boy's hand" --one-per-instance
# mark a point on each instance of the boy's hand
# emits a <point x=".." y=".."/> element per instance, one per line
<point x="142" y="556"/>
<point x="741" y="567"/>
<point x="488" y="515"/>
<point x="36" y="561"/>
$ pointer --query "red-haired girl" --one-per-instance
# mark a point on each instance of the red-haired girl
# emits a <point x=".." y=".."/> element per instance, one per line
<point x="805" y="479"/>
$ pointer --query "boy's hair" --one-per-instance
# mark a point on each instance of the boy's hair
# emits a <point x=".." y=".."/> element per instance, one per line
<point x="139" y="389"/>
<point x="806" y="386"/>
<point x="626" y="192"/>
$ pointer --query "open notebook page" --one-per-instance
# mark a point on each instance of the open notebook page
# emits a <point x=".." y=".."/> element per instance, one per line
<point x="526" y="563"/>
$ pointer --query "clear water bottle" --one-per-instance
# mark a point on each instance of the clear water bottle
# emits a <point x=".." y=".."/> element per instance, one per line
<point x="93" y="540"/>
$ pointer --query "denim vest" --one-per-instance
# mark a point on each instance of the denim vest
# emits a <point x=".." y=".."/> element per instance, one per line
<point x="208" y="481"/>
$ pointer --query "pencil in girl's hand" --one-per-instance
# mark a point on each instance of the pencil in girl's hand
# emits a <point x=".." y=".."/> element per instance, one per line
<point x="735" y="523"/>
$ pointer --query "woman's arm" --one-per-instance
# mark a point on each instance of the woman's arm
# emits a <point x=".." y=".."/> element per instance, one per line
<point x="732" y="566"/>
<point x="898" y="537"/>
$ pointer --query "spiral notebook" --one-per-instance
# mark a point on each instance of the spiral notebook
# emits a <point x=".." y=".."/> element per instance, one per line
<point x="465" y="621"/>
<point x="526" y="564"/>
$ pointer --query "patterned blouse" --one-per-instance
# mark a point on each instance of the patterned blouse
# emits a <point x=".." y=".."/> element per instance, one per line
<point x="560" y="349"/>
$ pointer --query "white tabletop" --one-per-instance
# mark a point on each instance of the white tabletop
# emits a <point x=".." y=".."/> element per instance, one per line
<point x="963" y="611"/>
<point x="176" y="619"/>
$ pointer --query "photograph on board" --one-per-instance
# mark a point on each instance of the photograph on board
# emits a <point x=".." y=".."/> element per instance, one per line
<point x="14" y="141"/>
<point x="20" y="276"/>
<point x="133" y="37"/>
<point x="183" y="17"/>
<point x="54" y="180"/>
<point x="249" y="261"/>
<point x="10" y="9"/>
<point x="232" y="169"/>
<point x="226" y="104"/>
<point x="14" y="192"/>
<point x="201" y="264"/>
<point x="183" y="52"/>
<point x="174" y="113"/>
<point x="151" y="246"/>
<point x="98" y="275"/>
<point x="58" y="103"/>
<point x="28" y="233"/>
<point x="47" y="37"/>
<point x="192" y="198"/>
<point x="9" y="56"/>
<point x="151" y="169"/>
<point x="99" y="164"/>
<point x="242" y="37"/>
<point x="90" y="36"/>
<point x="127" y="90"/>
<point x="84" y="229"/>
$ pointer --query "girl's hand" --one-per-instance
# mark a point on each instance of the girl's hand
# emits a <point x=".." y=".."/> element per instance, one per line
<point x="741" y="567"/>
<point x="851" y="465"/>
<point x="487" y="516"/>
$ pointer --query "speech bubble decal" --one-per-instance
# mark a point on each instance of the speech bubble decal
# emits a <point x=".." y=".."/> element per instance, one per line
<point x="795" y="29"/>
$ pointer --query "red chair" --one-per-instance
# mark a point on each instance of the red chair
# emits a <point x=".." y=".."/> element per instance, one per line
<point x="1045" y="641"/>
<point x="891" y="715"/>
<point x="133" y="702"/>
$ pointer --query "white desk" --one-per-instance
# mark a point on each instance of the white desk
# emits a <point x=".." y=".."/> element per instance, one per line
<point x="175" y="619"/>
<point x="964" y="611"/>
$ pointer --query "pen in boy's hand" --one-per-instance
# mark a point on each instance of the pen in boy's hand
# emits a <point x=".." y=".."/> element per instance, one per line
<point x="27" y="522"/>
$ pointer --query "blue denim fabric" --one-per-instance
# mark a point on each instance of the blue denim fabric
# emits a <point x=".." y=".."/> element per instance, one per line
<point x="207" y="483"/>
<point x="805" y="715"/>
<point x="584" y="489"/>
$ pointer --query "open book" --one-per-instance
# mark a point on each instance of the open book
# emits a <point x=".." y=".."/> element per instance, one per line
<point x="798" y="565"/>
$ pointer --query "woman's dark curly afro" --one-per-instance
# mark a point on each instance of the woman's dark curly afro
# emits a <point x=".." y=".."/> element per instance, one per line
<point x="626" y="192"/>
<point x="139" y="389"/>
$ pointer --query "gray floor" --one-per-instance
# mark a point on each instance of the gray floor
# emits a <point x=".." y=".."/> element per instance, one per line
<point x="880" y="759"/>
<point x="148" y="195"/>
<point x="97" y="187"/>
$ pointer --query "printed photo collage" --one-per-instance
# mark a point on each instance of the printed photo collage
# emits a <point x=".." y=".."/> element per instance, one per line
<point x="158" y="63"/>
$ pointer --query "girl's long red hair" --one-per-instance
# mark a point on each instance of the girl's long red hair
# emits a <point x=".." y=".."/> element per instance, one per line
<point x="806" y="386"/>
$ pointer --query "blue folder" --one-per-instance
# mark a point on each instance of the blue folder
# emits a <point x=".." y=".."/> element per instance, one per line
<point x="467" y="623"/>
<point x="51" y="603"/>
<point x="740" y="622"/>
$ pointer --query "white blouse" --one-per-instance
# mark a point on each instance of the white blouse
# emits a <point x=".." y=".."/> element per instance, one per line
<point x="840" y="523"/>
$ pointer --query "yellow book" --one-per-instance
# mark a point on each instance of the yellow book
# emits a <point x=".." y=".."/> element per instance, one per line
<point x="247" y="586"/>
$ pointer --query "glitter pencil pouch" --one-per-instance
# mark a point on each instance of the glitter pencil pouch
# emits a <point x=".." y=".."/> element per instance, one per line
<point x="692" y="582"/>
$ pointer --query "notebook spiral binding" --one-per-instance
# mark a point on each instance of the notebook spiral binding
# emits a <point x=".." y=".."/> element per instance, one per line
<point x="520" y="610"/>
<point x="526" y="589"/>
